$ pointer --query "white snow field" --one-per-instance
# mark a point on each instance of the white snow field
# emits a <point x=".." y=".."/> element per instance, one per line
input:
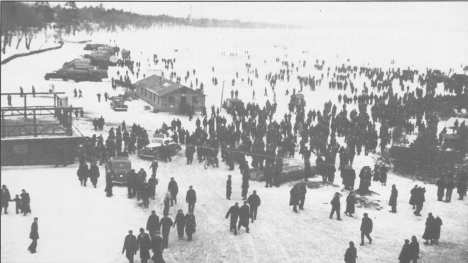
<point x="78" y="224"/>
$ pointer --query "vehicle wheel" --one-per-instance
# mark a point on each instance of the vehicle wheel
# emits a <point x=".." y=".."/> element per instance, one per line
<point x="46" y="78"/>
<point x="206" y="164"/>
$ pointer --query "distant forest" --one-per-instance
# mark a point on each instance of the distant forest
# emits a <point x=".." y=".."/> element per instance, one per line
<point x="23" y="21"/>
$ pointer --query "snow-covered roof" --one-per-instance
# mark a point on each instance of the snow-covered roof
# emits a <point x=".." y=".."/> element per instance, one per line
<point x="163" y="86"/>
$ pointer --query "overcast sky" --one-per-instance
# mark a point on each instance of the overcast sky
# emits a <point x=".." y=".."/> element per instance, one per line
<point x="440" y="15"/>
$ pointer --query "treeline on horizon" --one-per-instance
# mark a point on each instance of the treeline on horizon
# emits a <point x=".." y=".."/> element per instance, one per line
<point x="23" y="21"/>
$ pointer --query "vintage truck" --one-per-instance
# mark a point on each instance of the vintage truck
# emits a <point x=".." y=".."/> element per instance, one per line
<point x="152" y="150"/>
<point x="76" y="74"/>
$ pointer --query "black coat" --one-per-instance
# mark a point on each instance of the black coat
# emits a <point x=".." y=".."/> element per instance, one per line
<point x="234" y="213"/>
<point x="153" y="223"/>
<point x="350" y="204"/>
<point x="190" y="223"/>
<point x="350" y="255"/>
<point x="5" y="197"/>
<point x="244" y="213"/>
<point x="191" y="196"/>
<point x="254" y="200"/>
<point x="166" y="224"/>
<point x="335" y="202"/>
<point x="405" y="254"/>
<point x="144" y="243"/>
<point x="94" y="172"/>
<point x="414" y="250"/>
<point x="34" y="231"/>
<point x="366" y="225"/>
<point x="130" y="245"/>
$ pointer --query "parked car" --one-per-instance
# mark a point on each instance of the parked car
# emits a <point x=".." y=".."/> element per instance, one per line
<point x="119" y="168"/>
<point x="118" y="104"/>
<point x="152" y="150"/>
<point x="76" y="75"/>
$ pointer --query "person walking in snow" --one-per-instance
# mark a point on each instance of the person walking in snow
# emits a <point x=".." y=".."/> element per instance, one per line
<point x="144" y="245"/>
<point x="81" y="94"/>
<point x="191" y="199"/>
<point x="152" y="225"/>
<point x="366" y="229"/>
<point x="254" y="202"/>
<point x="351" y="253"/>
<point x="34" y="235"/>
<point x="350" y="204"/>
<point x="190" y="225"/>
<point x="414" y="249"/>
<point x="130" y="246"/>
<point x="5" y="198"/>
<point x="109" y="184"/>
<point x="174" y="190"/>
<point x="166" y="224"/>
<point x="335" y="202"/>
<point x="228" y="188"/>
<point x="393" y="199"/>
<point x="94" y="173"/>
<point x="244" y="214"/>
<point x="234" y="213"/>
<point x="180" y="222"/>
<point x="99" y="97"/>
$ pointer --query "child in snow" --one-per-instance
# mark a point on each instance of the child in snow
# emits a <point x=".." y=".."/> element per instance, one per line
<point x="17" y="201"/>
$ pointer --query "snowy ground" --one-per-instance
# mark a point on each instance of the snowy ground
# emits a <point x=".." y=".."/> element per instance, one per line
<point x="70" y="216"/>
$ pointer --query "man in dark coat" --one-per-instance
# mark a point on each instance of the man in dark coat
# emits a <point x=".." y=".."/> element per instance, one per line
<point x="437" y="227"/>
<point x="83" y="173"/>
<point x="166" y="224"/>
<point x="144" y="244"/>
<point x="109" y="184"/>
<point x="294" y="197"/>
<point x="393" y="199"/>
<point x="131" y="183"/>
<point x="34" y="235"/>
<point x="191" y="199"/>
<point x="152" y="225"/>
<point x="6" y="197"/>
<point x="405" y="254"/>
<point x="350" y="202"/>
<point x="180" y="222"/>
<point x="190" y="225"/>
<point x="440" y="189"/>
<point x="157" y="245"/>
<point x="244" y="214"/>
<point x="414" y="249"/>
<point x="25" y="201"/>
<point x="152" y="182"/>
<point x="366" y="229"/>
<point x="462" y="184"/>
<point x="336" y="205"/>
<point x="245" y="181"/>
<point x="268" y="172"/>
<point x="94" y="174"/>
<point x="450" y="185"/>
<point x="234" y="213"/>
<point x="429" y="230"/>
<point x="154" y="167"/>
<point x="254" y="202"/>
<point x="351" y="253"/>
<point x="174" y="190"/>
<point x="301" y="193"/>
<point x="419" y="200"/>
<point x="228" y="188"/>
<point x="130" y="245"/>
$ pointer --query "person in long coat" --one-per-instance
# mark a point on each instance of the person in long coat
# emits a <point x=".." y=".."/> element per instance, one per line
<point x="191" y="199"/>
<point x="174" y="190"/>
<point x="144" y="245"/>
<point x="462" y="184"/>
<point x="157" y="245"/>
<point x="429" y="231"/>
<point x="83" y="173"/>
<point x="152" y="225"/>
<point x="437" y="227"/>
<point x="245" y="181"/>
<point x="412" y="200"/>
<point x="414" y="249"/>
<point x="130" y="246"/>
<point x="180" y="222"/>
<point x="152" y="182"/>
<point x="34" y="235"/>
<point x="405" y="254"/>
<point x="234" y="213"/>
<point x="383" y="175"/>
<point x="228" y="188"/>
<point x="166" y="223"/>
<point x="294" y="198"/>
<point x="350" y="204"/>
<point x="190" y="225"/>
<point x="94" y="174"/>
<point x="109" y="184"/>
<point x="25" y="202"/>
<point x="335" y="202"/>
<point x="5" y="198"/>
<point x="393" y="199"/>
<point x="440" y="189"/>
<point x="244" y="214"/>
<point x="366" y="228"/>
<point x="254" y="202"/>
<point x="351" y="253"/>
<point x="167" y="202"/>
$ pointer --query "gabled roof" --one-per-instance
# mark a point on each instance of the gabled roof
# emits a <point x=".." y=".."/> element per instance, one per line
<point x="162" y="86"/>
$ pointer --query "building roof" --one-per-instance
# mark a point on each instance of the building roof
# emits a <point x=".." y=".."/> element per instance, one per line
<point x="162" y="86"/>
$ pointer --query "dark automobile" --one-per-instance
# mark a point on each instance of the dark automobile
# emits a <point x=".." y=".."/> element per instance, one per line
<point x="76" y="75"/>
<point x="119" y="168"/>
<point x="152" y="150"/>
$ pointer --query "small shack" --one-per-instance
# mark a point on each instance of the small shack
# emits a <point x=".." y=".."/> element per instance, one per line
<point x="168" y="96"/>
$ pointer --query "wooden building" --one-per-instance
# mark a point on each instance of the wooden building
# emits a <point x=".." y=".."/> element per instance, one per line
<point x="168" y="96"/>
<point x="36" y="135"/>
